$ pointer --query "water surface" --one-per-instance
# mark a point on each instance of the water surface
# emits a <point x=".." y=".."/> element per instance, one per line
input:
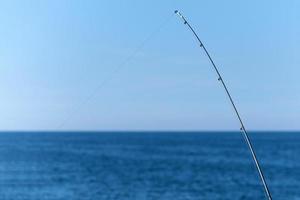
<point x="146" y="165"/>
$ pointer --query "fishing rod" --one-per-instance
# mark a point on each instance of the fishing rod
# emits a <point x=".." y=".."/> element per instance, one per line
<point x="243" y="129"/>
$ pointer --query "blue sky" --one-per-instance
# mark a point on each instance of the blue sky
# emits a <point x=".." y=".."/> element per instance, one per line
<point x="55" y="54"/>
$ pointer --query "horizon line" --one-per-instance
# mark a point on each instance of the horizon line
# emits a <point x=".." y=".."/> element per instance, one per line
<point x="149" y="130"/>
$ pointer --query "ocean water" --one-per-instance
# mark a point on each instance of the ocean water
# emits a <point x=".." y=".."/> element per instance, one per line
<point x="146" y="165"/>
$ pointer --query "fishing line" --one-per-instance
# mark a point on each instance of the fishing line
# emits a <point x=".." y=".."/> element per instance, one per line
<point x="243" y="129"/>
<point x="114" y="72"/>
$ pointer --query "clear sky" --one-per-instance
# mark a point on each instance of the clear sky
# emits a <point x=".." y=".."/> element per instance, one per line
<point x="54" y="55"/>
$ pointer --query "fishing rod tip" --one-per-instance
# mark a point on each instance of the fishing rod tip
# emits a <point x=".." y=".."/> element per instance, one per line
<point x="178" y="13"/>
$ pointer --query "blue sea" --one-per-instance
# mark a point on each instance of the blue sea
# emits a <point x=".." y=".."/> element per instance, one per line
<point x="146" y="165"/>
